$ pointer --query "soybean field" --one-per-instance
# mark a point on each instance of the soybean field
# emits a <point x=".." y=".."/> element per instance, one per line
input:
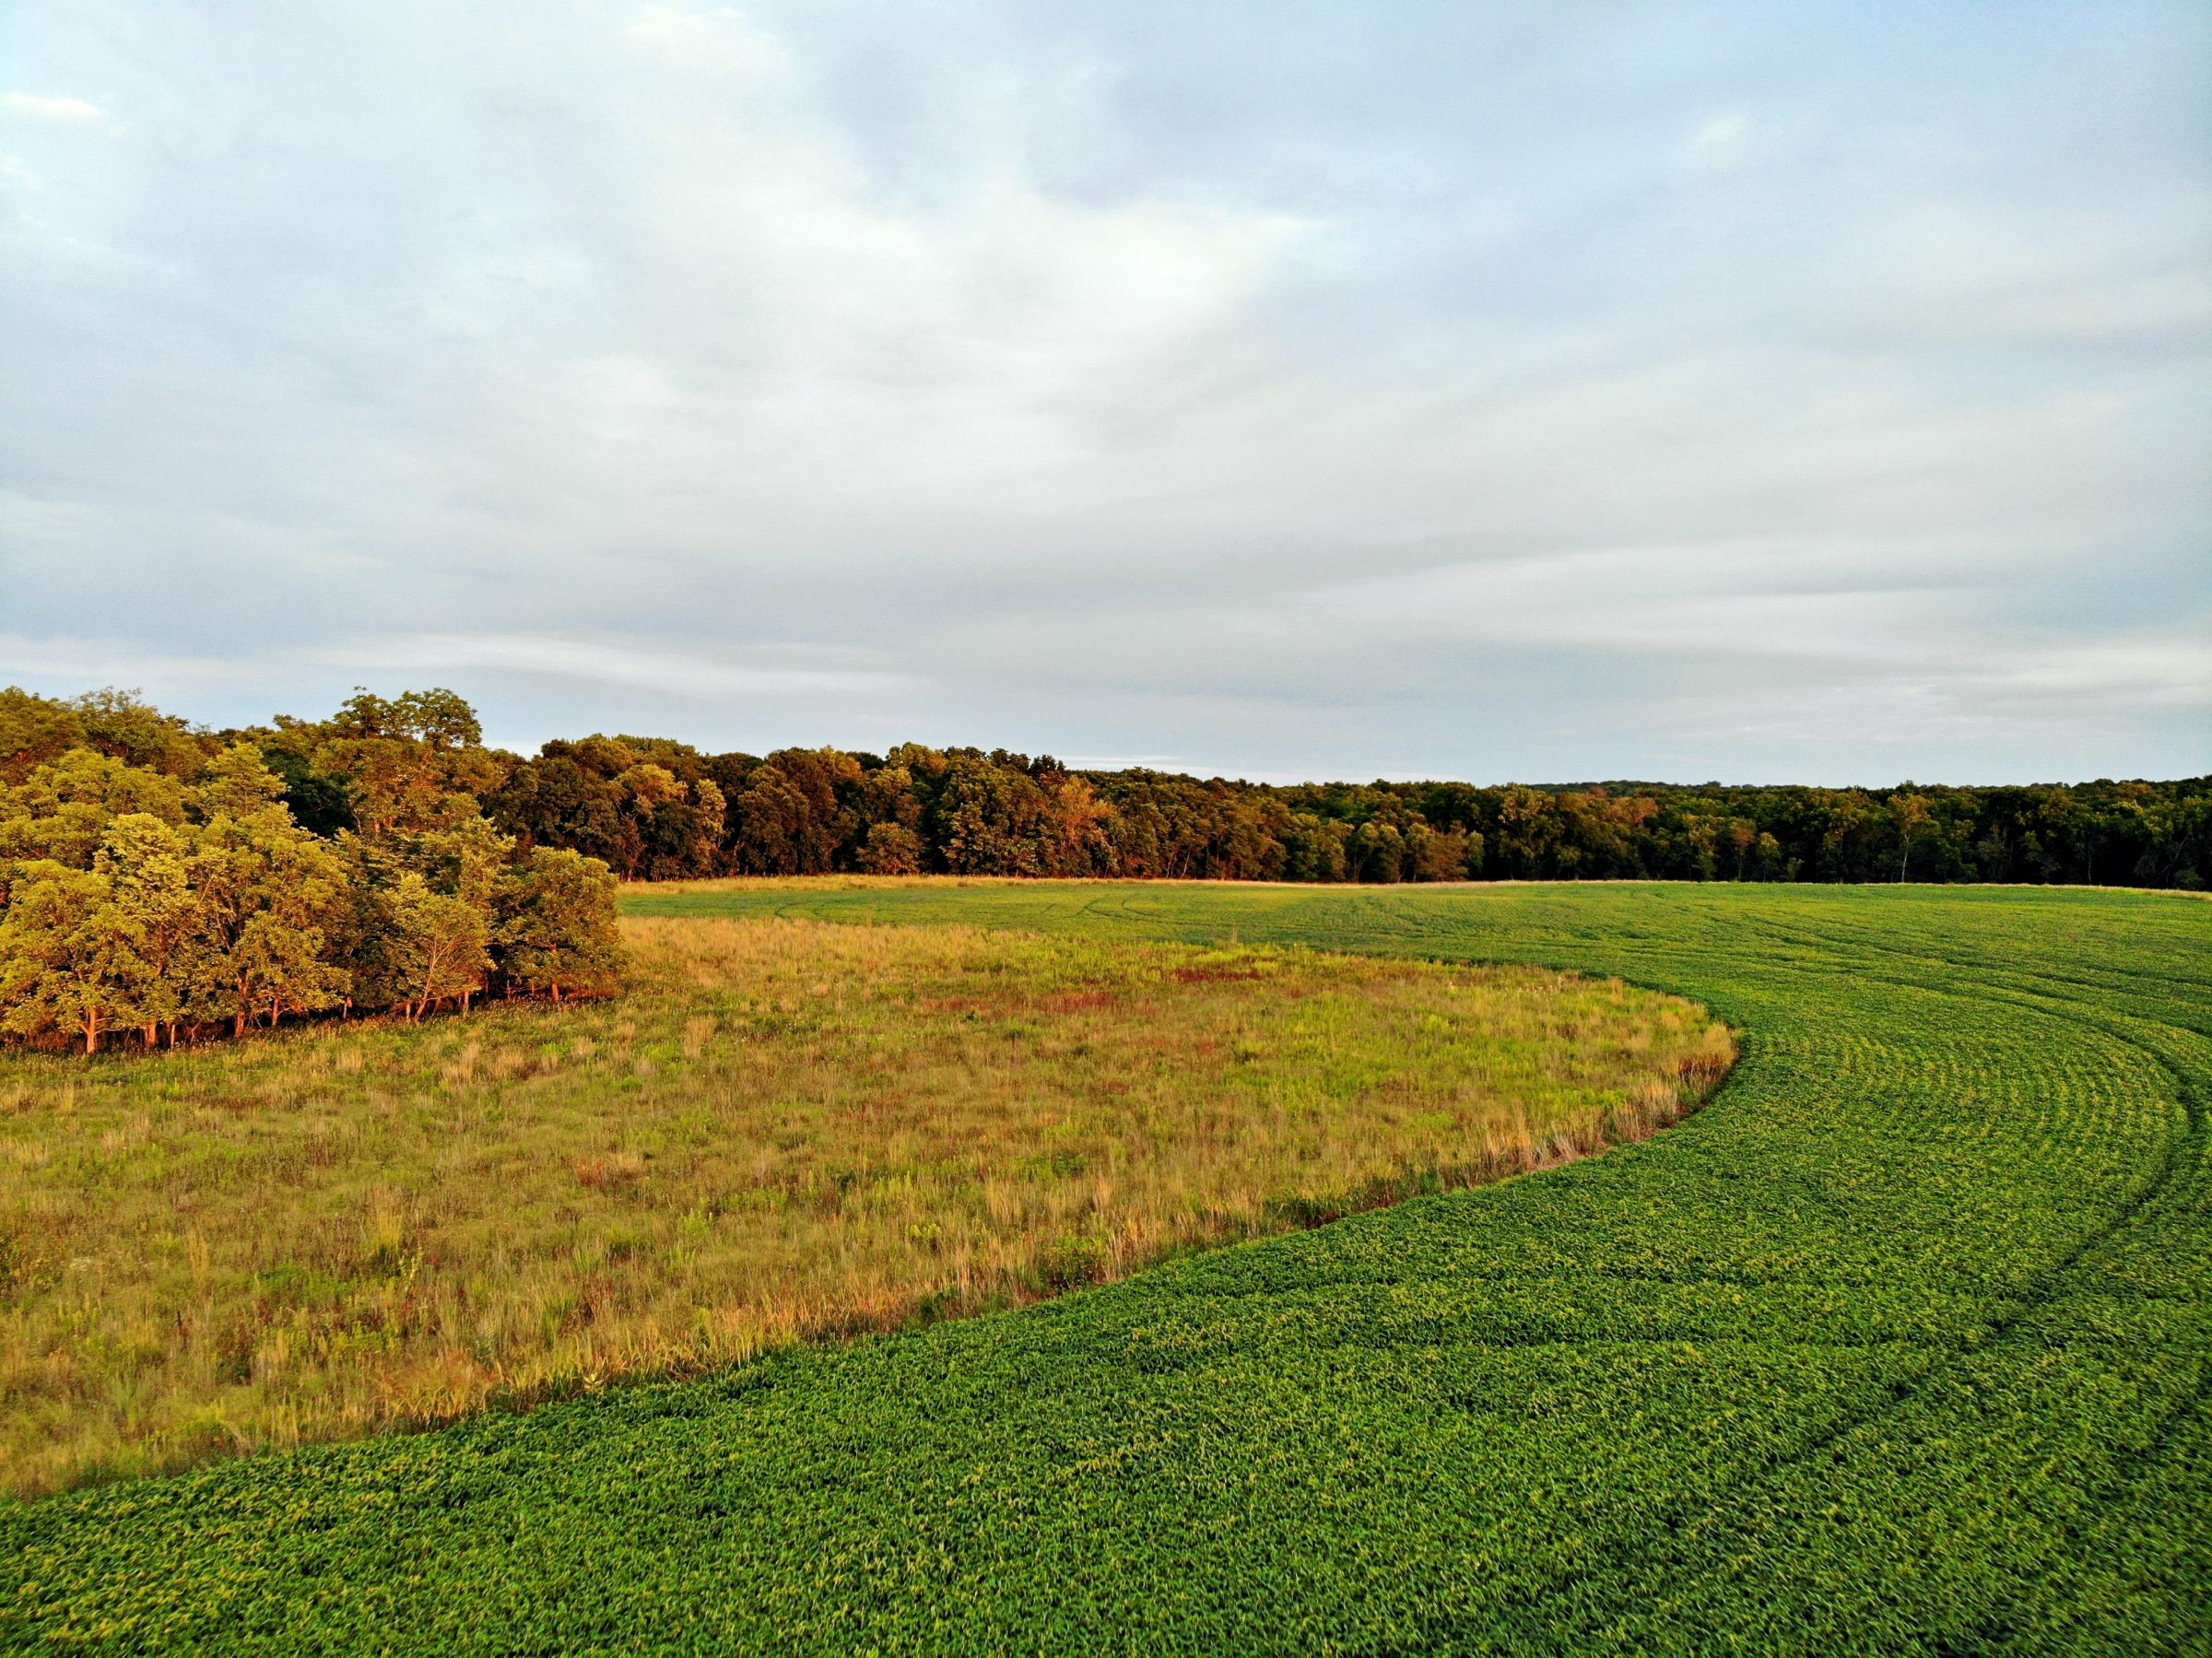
<point x="1901" y="1344"/>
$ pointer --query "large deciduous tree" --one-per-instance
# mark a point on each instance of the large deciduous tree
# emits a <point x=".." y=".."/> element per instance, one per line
<point x="556" y="931"/>
<point x="72" y="959"/>
<point x="440" y="946"/>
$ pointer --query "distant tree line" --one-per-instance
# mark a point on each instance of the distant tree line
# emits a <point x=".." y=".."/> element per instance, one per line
<point x="159" y="882"/>
<point x="653" y="809"/>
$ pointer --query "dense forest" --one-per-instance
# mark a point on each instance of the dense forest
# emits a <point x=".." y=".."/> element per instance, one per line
<point x="658" y="810"/>
<point x="164" y="878"/>
<point x="159" y="883"/>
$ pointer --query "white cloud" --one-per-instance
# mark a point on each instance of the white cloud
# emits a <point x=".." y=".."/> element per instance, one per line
<point x="644" y="665"/>
<point x="2164" y="667"/>
<point x="33" y="106"/>
<point x="74" y="663"/>
<point x="1721" y="141"/>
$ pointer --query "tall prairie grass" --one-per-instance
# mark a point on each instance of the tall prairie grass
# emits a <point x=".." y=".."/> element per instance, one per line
<point x="785" y="1130"/>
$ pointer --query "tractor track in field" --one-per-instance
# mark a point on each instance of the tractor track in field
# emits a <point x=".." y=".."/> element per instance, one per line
<point x="2186" y="1150"/>
<point x="1657" y="1558"/>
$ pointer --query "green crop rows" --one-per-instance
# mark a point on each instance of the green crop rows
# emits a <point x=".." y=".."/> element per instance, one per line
<point x="1901" y="1345"/>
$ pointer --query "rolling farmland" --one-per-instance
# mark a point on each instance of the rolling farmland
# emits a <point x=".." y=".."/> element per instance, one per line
<point x="1900" y="1345"/>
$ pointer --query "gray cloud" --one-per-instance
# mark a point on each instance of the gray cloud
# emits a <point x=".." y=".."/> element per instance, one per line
<point x="1713" y="395"/>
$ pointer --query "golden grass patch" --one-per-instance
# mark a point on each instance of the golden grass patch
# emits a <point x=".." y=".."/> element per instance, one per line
<point x="785" y="1130"/>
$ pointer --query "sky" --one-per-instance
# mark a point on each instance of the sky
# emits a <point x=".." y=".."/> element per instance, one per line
<point x="1794" y="393"/>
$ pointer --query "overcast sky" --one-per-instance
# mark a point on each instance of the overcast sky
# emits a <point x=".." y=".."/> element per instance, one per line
<point x="1766" y="392"/>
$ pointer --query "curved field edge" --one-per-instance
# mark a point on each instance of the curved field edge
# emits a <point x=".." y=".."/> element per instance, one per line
<point x="787" y="1131"/>
<point x="1900" y="1345"/>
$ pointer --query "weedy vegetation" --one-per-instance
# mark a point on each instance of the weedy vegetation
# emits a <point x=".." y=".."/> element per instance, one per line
<point x="786" y="1129"/>
<point x="1902" y="1345"/>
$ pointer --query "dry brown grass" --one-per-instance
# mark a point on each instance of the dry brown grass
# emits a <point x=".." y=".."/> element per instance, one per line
<point x="785" y="1130"/>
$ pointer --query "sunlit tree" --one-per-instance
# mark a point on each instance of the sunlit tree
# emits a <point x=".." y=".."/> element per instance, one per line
<point x="555" y="929"/>
<point x="71" y="958"/>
